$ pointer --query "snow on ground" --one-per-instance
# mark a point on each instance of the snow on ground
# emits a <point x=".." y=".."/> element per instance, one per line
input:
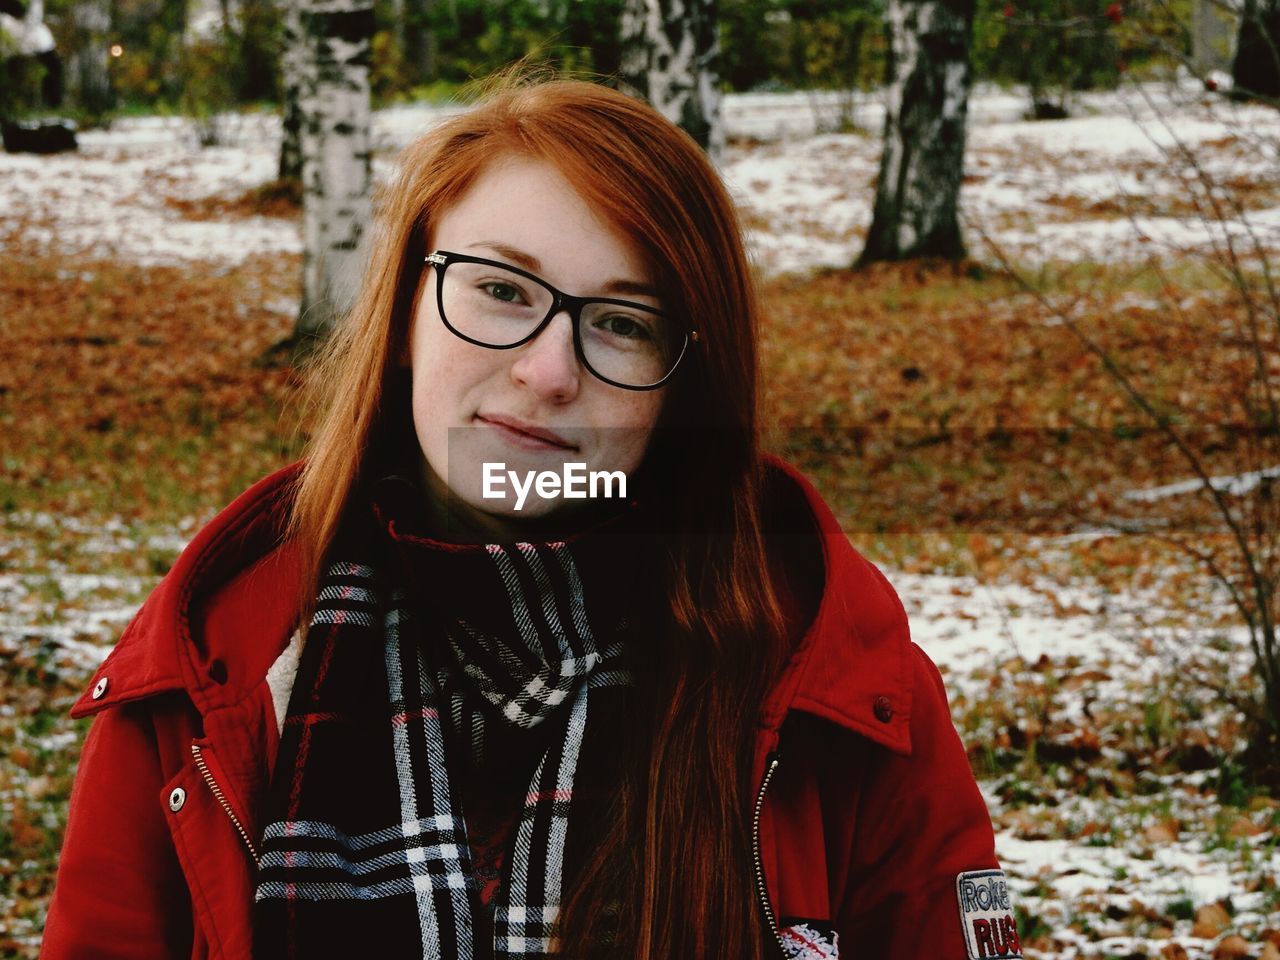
<point x="114" y="198"/>
<point x="1079" y="862"/>
<point x="54" y="597"/>
<point x="1060" y="190"/>
<point x="1234" y="485"/>
<point x="1042" y="190"/>
<point x="108" y="200"/>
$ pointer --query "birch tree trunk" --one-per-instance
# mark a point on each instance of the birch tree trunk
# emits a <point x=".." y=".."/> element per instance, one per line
<point x="87" y="73"/>
<point x="23" y="34"/>
<point x="336" y="171"/>
<point x="922" y="166"/>
<point x="671" y="57"/>
<point x="1256" y="71"/>
<point x="1213" y="34"/>
<point x="292" y="65"/>
<point x="23" y="26"/>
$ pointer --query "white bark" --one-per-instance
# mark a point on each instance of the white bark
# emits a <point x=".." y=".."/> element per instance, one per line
<point x="87" y="66"/>
<point x="336" y="170"/>
<point x="670" y="56"/>
<point x="292" y="68"/>
<point x="926" y="107"/>
<point x="29" y="36"/>
<point x="1213" y="35"/>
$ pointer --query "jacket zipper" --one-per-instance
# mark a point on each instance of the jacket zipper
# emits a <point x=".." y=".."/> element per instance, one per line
<point x="761" y="887"/>
<point x="221" y="798"/>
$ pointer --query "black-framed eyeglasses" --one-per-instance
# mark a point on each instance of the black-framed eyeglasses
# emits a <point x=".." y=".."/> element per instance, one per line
<point x="493" y="304"/>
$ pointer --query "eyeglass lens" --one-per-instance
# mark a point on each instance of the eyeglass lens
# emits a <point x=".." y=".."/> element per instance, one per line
<point x="500" y="308"/>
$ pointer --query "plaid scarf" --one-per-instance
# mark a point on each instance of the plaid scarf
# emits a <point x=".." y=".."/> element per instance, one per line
<point x="418" y="656"/>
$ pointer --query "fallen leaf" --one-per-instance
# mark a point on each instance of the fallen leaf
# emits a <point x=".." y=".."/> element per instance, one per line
<point x="1211" y="920"/>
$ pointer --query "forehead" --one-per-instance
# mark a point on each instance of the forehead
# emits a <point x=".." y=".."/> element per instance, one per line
<point x="529" y="205"/>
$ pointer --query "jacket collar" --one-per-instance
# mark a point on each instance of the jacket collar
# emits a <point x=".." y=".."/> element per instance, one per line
<point x="239" y="556"/>
<point x="852" y="666"/>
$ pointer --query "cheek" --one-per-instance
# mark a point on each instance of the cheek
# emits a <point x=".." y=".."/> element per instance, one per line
<point x="439" y="378"/>
<point x="424" y="364"/>
<point x="443" y="366"/>
<point x="634" y="420"/>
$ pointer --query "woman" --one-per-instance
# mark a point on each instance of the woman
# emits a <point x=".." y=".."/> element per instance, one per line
<point x="680" y="720"/>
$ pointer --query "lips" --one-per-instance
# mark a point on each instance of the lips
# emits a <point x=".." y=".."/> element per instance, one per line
<point x="526" y="433"/>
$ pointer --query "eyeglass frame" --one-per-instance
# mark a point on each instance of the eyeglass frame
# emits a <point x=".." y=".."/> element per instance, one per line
<point x="560" y="301"/>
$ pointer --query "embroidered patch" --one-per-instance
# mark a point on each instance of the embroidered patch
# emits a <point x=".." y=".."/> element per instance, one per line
<point x="986" y="914"/>
<point x="809" y="940"/>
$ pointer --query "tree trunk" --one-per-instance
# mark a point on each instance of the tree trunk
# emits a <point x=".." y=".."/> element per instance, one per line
<point x="24" y="28"/>
<point x="430" y="47"/>
<point x="1256" y="71"/>
<point x="922" y="166"/>
<point x="257" y="65"/>
<point x="28" y="36"/>
<point x="398" y="28"/>
<point x="336" y="171"/>
<point x="292" y="59"/>
<point x="416" y="45"/>
<point x="173" y="23"/>
<point x="89" y="79"/>
<point x="671" y="57"/>
<point x="1213" y="32"/>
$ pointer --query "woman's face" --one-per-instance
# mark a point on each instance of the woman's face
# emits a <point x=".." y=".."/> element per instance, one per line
<point x="532" y="408"/>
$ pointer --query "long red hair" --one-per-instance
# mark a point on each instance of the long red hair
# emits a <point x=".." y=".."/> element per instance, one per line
<point x="675" y="855"/>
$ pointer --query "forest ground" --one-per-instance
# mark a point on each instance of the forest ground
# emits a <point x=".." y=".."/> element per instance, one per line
<point x="966" y="442"/>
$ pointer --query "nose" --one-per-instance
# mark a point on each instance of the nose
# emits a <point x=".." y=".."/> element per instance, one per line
<point x="548" y="364"/>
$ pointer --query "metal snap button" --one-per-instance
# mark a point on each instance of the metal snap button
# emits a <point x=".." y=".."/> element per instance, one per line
<point x="100" y="688"/>
<point x="177" y="798"/>
<point x="883" y="709"/>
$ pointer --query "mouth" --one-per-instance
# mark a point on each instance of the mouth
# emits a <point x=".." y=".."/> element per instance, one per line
<point x="527" y="435"/>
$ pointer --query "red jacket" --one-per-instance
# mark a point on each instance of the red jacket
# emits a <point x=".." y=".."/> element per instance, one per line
<point x="869" y="823"/>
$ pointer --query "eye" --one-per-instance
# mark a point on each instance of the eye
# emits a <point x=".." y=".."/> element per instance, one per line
<point x="504" y="292"/>
<point x="624" y="325"/>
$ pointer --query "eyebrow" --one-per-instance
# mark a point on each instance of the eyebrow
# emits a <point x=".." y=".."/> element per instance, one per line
<point x="531" y="263"/>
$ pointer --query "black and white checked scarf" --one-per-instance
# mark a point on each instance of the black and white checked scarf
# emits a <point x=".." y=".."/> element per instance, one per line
<point x="419" y="654"/>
